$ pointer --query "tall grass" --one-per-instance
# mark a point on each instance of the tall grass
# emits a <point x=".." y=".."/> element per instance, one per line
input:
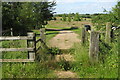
<point x="106" y="69"/>
<point x="16" y="54"/>
<point x="24" y="70"/>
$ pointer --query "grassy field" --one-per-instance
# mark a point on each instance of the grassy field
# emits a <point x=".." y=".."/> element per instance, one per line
<point x="28" y="70"/>
<point x="65" y="24"/>
<point x="23" y="70"/>
<point x="104" y="69"/>
<point x="45" y="68"/>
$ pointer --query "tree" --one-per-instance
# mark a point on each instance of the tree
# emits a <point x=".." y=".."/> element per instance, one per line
<point x="109" y="16"/>
<point x="44" y="12"/>
<point x="69" y="17"/>
<point x="77" y="17"/>
<point x="10" y="16"/>
<point x="64" y="17"/>
<point x="27" y="16"/>
<point x="115" y="14"/>
<point x="23" y="16"/>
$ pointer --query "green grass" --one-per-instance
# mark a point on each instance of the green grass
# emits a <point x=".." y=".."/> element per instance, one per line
<point x="106" y="69"/>
<point x="77" y="31"/>
<point x="56" y="27"/>
<point x="51" y="34"/>
<point x="26" y="70"/>
<point x="16" y="54"/>
<point x="84" y="69"/>
<point x="82" y="66"/>
<point x="45" y="68"/>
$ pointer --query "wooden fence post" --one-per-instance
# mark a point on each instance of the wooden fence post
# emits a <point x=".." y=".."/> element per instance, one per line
<point x="42" y="34"/>
<point x="108" y="32"/>
<point x="11" y="31"/>
<point x="94" y="46"/>
<point x="30" y="44"/>
<point x="83" y="35"/>
<point x="34" y="39"/>
<point x="43" y="38"/>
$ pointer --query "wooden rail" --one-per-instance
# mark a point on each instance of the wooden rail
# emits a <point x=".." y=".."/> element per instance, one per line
<point x="100" y="31"/>
<point x="16" y="60"/>
<point x="9" y="30"/>
<point x="38" y="40"/>
<point x="3" y="38"/>
<point x="5" y="31"/>
<point x="31" y="46"/>
<point x="16" y="49"/>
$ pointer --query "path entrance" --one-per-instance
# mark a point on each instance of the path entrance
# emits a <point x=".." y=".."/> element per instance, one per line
<point x="64" y="40"/>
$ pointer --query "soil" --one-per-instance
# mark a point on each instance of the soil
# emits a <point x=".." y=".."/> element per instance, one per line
<point x="66" y="74"/>
<point x="66" y="57"/>
<point x="64" y="40"/>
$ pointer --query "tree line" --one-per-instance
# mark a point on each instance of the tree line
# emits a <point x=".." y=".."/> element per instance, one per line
<point x="112" y="16"/>
<point x="25" y="16"/>
<point x="72" y="16"/>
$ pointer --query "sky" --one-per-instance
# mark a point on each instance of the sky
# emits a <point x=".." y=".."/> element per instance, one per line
<point x="84" y="6"/>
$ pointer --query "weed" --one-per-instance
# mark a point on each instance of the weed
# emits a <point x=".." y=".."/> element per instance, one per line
<point x="65" y="65"/>
<point x="54" y="51"/>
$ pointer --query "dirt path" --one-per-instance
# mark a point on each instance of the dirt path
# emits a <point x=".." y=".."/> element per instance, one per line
<point x="66" y="74"/>
<point x="64" y="40"/>
<point x="66" y="57"/>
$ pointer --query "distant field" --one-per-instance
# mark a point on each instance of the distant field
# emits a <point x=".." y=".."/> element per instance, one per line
<point x="65" y="24"/>
<point x="58" y="24"/>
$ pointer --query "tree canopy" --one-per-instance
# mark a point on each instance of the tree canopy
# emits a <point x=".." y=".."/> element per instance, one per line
<point x="111" y="16"/>
<point x="77" y="17"/>
<point x="23" y="17"/>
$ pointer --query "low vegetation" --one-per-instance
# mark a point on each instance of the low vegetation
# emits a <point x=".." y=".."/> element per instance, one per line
<point x="44" y="67"/>
<point x="106" y="68"/>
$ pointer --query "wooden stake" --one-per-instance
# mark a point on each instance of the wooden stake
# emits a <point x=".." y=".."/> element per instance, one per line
<point x="30" y="44"/>
<point x="42" y="34"/>
<point x="43" y="39"/>
<point x="83" y="35"/>
<point x="108" y="32"/>
<point x="94" y="46"/>
<point x="11" y="31"/>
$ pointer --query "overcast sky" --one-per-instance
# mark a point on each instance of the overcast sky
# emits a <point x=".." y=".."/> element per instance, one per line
<point x="84" y="6"/>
